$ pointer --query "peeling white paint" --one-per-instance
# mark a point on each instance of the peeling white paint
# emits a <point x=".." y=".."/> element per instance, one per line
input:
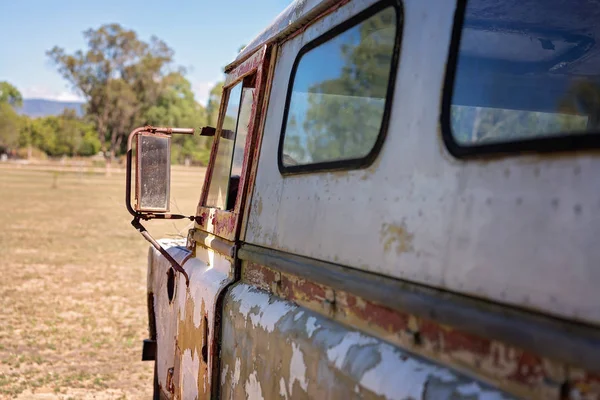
<point x="282" y="388"/>
<point x="476" y="391"/>
<point x="337" y="354"/>
<point x="166" y="314"/>
<point x="236" y="371"/>
<point x="298" y="315"/>
<point x="397" y="377"/>
<point x="224" y="373"/>
<point x="269" y="312"/>
<point x="205" y="284"/>
<point x="311" y="326"/>
<point x="297" y="369"/>
<point x="253" y="389"/>
<point x="444" y="375"/>
<point x="469" y="389"/>
<point x="189" y="366"/>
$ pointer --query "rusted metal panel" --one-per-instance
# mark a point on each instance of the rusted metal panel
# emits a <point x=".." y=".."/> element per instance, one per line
<point x="226" y="223"/>
<point x="487" y="228"/>
<point x="273" y="348"/>
<point x="185" y="326"/>
<point x="567" y="342"/>
<point x="253" y="63"/>
<point x="516" y="370"/>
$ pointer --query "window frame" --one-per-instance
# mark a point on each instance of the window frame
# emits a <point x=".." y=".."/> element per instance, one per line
<point x="560" y="142"/>
<point x="226" y="223"/>
<point x="369" y="158"/>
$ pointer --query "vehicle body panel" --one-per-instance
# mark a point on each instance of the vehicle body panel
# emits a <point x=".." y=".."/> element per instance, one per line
<point x="275" y="349"/>
<point x="487" y="228"/>
<point x="187" y="323"/>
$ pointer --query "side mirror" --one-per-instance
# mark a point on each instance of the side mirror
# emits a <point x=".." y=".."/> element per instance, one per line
<point x="152" y="181"/>
<point x="153" y="172"/>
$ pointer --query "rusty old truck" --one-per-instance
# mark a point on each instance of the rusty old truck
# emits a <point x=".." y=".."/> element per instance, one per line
<point x="402" y="202"/>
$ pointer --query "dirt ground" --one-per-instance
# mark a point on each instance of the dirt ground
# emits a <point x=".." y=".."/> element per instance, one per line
<point x="73" y="283"/>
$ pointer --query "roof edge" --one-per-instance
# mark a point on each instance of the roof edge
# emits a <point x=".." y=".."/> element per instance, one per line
<point x="293" y="18"/>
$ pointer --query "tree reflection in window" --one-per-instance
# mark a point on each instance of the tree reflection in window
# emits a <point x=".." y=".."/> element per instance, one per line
<point x="526" y="71"/>
<point x="339" y="92"/>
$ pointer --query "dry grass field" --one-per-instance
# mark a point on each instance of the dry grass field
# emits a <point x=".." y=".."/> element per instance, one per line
<point x="72" y="283"/>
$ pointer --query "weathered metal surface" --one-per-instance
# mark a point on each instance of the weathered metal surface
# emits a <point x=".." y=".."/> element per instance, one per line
<point x="275" y="349"/>
<point x="489" y="228"/>
<point x="268" y="72"/>
<point x="516" y="370"/>
<point x="564" y="341"/>
<point x="215" y="243"/>
<point x="253" y="63"/>
<point x="185" y="326"/>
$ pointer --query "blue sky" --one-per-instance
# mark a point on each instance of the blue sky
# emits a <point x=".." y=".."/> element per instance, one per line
<point x="205" y="35"/>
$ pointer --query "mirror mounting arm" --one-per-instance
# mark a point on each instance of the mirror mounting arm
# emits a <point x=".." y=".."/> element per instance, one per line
<point x="141" y="229"/>
<point x="137" y="216"/>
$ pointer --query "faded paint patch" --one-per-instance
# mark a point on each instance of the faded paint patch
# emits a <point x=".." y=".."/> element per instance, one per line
<point x="311" y="326"/>
<point x="259" y="206"/>
<point x="397" y="236"/>
<point x="282" y="388"/>
<point x="190" y="365"/>
<point x="473" y="390"/>
<point x="298" y="315"/>
<point x="297" y="369"/>
<point x="262" y="313"/>
<point x="237" y="371"/>
<point x="382" y="379"/>
<point x="337" y="354"/>
<point x="253" y="389"/>
<point x="224" y="373"/>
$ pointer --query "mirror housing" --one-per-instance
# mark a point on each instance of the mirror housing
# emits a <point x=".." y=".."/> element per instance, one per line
<point x="153" y="172"/>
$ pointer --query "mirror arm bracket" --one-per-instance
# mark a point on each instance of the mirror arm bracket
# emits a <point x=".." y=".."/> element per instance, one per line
<point x="137" y="216"/>
<point x="141" y="229"/>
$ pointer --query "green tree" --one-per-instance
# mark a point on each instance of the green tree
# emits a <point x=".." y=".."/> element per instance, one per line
<point x="10" y="94"/>
<point x="10" y="121"/>
<point x="119" y="75"/>
<point x="176" y="106"/>
<point x="61" y="135"/>
<point x="213" y="104"/>
<point x="10" y="126"/>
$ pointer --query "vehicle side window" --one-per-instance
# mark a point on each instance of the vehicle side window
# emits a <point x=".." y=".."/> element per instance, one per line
<point x="339" y="94"/>
<point x="523" y="75"/>
<point x="222" y="191"/>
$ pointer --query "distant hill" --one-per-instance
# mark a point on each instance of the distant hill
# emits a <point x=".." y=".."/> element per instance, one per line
<point x="42" y="107"/>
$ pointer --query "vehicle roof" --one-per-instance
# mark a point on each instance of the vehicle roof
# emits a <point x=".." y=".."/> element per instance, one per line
<point x="293" y="18"/>
<point x="300" y="12"/>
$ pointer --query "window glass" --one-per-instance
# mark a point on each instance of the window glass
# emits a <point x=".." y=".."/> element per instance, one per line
<point x="526" y="70"/>
<point x="338" y="97"/>
<point x="219" y="182"/>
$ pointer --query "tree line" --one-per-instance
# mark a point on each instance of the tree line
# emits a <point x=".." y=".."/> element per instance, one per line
<point x="126" y="82"/>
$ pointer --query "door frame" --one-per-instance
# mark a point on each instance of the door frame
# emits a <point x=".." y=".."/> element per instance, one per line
<point x="226" y="223"/>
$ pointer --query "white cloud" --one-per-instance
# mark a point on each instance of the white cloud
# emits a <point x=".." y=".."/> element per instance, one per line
<point x="202" y="90"/>
<point x="44" y="92"/>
